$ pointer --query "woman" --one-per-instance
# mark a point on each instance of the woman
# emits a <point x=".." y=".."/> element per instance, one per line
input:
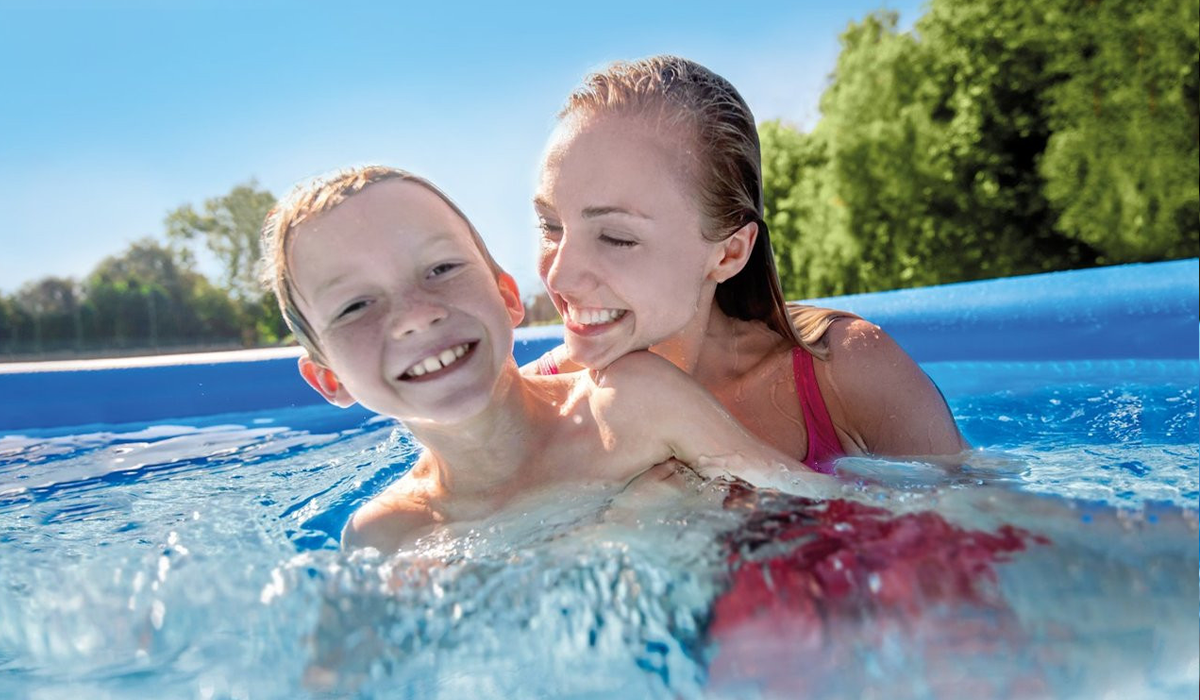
<point x="651" y="210"/>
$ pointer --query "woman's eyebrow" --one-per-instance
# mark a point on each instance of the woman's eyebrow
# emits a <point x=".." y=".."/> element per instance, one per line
<point x="595" y="212"/>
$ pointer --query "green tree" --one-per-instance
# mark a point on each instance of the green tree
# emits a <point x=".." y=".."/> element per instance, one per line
<point x="148" y="296"/>
<point x="984" y="143"/>
<point x="1123" y="162"/>
<point x="12" y="322"/>
<point x="54" y="309"/>
<point x="814" y="251"/>
<point x="229" y="228"/>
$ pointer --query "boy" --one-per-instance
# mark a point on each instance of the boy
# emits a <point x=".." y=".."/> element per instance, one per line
<point x="401" y="308"/>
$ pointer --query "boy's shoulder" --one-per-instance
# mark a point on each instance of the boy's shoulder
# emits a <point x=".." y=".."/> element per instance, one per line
<point x="402" y="513"/>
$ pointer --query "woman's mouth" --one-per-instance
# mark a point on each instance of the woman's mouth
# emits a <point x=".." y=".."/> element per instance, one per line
<point x="591" y="320"/>
<point x="438" y="363"/>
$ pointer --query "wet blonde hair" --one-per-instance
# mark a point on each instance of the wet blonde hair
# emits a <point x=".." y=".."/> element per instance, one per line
<point x="683" y="97"/>
<point x="309" y="199"/>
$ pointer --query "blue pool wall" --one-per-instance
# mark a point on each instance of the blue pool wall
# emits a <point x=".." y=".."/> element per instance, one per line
<point x="1146" y="311"/>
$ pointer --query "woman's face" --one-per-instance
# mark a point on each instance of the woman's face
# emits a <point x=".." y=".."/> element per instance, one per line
<point x="622" y="251"/>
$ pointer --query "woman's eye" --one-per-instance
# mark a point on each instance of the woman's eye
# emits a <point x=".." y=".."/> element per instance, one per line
<point x="550" y="230"/>
<point x="617" y="242"/>
<point x="442" y="268"/>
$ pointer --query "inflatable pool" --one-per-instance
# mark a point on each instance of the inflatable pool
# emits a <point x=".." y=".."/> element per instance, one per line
<point x="1126" y="312"/>
<point x="169" y="526"/>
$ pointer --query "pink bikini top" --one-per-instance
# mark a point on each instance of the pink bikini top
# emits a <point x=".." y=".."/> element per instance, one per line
<point x="823" y="443"/>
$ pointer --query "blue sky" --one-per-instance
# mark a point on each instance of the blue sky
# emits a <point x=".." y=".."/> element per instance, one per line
<point x="115" y="113"/>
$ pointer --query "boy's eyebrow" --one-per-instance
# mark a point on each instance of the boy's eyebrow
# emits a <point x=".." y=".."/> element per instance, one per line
<point x="594" y="212"/>
<point x="332" y="282"/>
<point x="435" y="239"/>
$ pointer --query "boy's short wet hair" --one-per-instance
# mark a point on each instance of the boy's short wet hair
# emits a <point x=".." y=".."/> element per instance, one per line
<point x="310" y="199"/>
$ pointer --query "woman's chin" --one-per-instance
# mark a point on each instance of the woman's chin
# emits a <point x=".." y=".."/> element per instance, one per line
<point x="589" y="354"/>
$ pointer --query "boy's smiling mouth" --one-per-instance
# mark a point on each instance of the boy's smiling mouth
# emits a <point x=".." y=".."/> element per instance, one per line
<point x="437" y="363"/>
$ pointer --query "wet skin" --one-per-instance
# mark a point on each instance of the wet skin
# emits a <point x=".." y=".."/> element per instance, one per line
<point x="404" y="304"/>
<point x="622" y="251"/>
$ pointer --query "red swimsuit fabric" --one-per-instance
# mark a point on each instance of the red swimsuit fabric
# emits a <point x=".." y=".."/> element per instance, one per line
<point x="795" y="622"/>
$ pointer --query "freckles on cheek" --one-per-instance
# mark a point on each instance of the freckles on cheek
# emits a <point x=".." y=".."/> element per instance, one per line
<point x="344" y="342"/>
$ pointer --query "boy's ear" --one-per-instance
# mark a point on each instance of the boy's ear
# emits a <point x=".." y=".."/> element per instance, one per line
<point x="734" y="252"/>
<point x="512" y="297"/>
<point x="324" y="382"/>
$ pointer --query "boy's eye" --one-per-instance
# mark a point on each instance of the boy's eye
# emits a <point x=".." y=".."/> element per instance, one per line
<point x="352" y="308"/>
<point x="617" y="242"/>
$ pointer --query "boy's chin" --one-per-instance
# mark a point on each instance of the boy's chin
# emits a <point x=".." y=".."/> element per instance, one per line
<point x="449" y="410"/>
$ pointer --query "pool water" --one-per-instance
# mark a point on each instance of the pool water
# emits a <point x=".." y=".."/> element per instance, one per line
<point x="199" y="560"/>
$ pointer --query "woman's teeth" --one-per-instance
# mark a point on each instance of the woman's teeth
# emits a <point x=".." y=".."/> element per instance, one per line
<point x="437" y="362"/>
<point x="595" y="317"/>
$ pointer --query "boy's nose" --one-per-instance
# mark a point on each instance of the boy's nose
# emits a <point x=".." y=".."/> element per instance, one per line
<point x="416" y="316"/>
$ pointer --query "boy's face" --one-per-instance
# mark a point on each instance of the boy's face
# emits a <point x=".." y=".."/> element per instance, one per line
<point x="413" y="321"/>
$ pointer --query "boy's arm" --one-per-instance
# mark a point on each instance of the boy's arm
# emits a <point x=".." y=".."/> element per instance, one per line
<point x="655" y="401"/>
<point x="388" y="521"/>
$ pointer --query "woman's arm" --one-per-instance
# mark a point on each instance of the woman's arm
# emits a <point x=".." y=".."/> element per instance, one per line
<point x="556" y="358"/>
<point x="653" y="400"/>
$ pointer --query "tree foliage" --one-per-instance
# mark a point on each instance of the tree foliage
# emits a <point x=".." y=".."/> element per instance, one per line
<point x="995" y="138"/>
<point x="972" y="147"/>
<point x="149" y="293"/>
<point x="151" y="296"/>
<point x="229" y="229"/>
<point x="1122" y="164"/>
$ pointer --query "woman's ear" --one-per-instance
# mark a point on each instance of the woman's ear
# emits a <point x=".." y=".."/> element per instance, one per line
<point x="734" y="252"/>
<point x="512" y="297"/>
<point x="324" y="382"/>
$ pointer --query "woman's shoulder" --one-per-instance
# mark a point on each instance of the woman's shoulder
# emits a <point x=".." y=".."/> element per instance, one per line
<point x="880" y="396"/>
<point x="863" y="360"/>
<point x="853" y="340"/>
<point x="813" y="323"/>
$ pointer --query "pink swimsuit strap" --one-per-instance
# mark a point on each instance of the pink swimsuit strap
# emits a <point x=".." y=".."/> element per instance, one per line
<point x="546" y="364"/>
<point x="823" y="443"/>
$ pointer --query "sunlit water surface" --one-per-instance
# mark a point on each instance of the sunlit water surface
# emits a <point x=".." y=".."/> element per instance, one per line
<point x="198" y="560"/>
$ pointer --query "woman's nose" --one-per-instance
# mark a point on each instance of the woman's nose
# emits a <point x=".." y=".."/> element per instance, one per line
<point x="566" y="267"/>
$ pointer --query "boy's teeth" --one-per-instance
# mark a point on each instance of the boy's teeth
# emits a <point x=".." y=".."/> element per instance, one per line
<point x="442" y="360"/>
<point x="593" y="317"/>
